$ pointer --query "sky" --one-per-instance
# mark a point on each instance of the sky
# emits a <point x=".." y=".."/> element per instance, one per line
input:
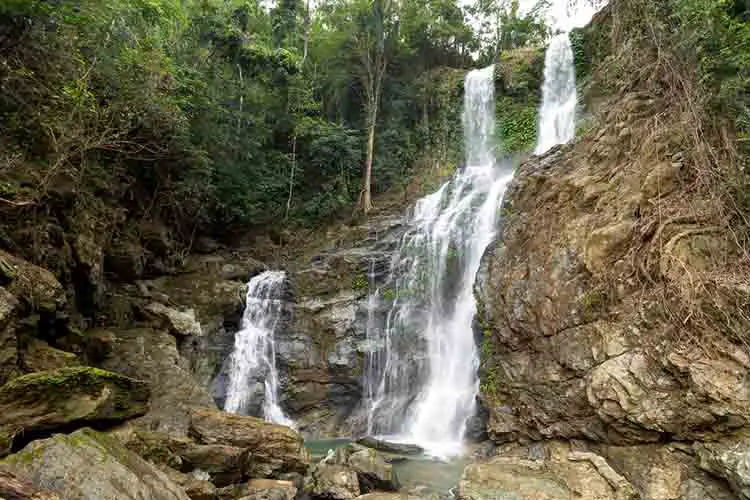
<point x="567" y="14"/>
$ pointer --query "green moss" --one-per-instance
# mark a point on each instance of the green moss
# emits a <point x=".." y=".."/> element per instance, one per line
<point x="79" y="376"/>
<point x="361" y="283"/>
<point x="592" y="303"/>
<point x="516" y="124"/>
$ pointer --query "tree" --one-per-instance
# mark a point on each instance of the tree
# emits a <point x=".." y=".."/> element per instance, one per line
<point x="377" y="28"/>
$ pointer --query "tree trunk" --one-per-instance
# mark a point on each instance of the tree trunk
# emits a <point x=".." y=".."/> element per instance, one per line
<point x="307" y="32"/>
<point x="366" y="190"/>
<point x="291" y="176"/>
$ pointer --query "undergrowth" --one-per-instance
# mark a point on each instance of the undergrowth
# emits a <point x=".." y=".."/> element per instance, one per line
<point x="691" y="58"/>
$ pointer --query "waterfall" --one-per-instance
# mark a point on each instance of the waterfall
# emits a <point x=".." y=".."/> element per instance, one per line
<point x="253" y="359"/>
<point x="422" y="377"/>
<point x="557" y="114"/>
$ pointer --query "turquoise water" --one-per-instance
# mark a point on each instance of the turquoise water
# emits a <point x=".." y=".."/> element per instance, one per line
<point x="435" y="476"/>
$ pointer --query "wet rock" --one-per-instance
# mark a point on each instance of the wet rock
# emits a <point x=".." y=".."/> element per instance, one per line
<point x="41" y="403"/>
<point x="40" y="356"/>
<point x="152" y="355"/>
<point x="333" y="482"/>
<point x="180" y="323"/>
<point x="390" y="447"/>
<point x="15" y="488"/>
<point x="87" y="465"/>
<point x="273" y="449"/>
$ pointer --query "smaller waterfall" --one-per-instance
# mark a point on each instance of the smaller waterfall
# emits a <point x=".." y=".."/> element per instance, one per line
<point x="557" y="115"/>
<point x="253" y="358"/>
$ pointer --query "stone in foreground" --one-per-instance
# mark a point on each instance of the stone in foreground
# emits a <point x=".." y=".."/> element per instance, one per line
<point x="268" y="489"/>
<point x="273" y="449"/>
<point x="333" y="482"/>
<point x="41" y="403"/>
<point x="88" y="465"/>
<point x="544" y="471"/>
<point x="371" y="468"/>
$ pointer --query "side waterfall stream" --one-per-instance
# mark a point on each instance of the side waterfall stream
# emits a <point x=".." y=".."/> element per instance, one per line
<point x="254" y="357"/>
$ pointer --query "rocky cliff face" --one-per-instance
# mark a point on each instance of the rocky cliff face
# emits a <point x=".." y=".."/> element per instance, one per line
<point x="321" y="352"/>
<point x="607" y="309"/>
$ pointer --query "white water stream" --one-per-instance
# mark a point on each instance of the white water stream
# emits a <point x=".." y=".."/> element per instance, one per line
<point x="557" y="114"/>
<point x="253" y="357"/>
<point x="422" y="382"/>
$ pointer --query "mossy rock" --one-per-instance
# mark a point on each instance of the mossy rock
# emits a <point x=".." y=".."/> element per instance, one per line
<point x="90" y="465"/>
<point x="40" y="403"/>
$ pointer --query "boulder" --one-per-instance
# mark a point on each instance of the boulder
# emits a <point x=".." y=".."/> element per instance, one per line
<point x="197" y="489"/>
<point x="333" y="482"/>
<point x="388" y="496"/>
<point x="666" y="472"/>
<point x="373" y="473"/>
<point x="195" y="485"/>
<point x="41" y="403"/>
<point x="268" y="489"/>
<point x="13" y="488"/>
<point x="35" y="287"/>
<point x="88" y="465"/>
<point x="152" y="355"/>
<point x="390" y="447"/>
<point x="273" y="449"/>
<point x="180" y="323"/>
<point x="223" y="464"/>
<point x="544" y="471"/>
<point x="40" y="356"/>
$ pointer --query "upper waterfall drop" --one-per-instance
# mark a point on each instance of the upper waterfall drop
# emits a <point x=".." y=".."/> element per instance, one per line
<point x="422" y="377"/>
<point x="253" y="358"/>
<point x="557" y="114"/>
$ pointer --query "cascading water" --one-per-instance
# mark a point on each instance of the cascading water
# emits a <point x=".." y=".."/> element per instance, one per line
<point x="422" y="378"/>
<point x="253" y="357"/>
<point x="557" y="115"/>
